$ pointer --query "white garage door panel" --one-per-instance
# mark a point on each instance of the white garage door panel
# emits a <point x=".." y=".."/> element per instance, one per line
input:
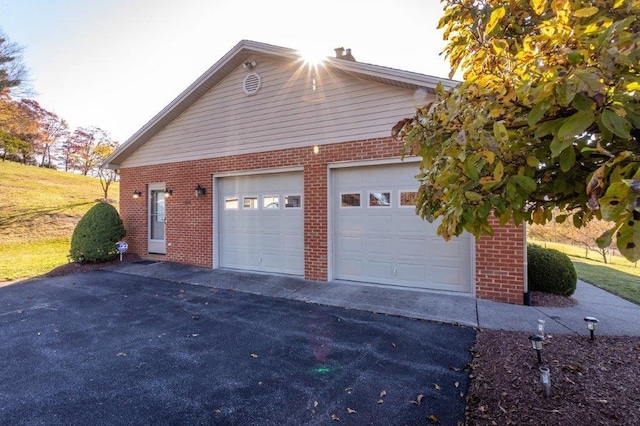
<point x="390" y="244"/>
<point x="261" y="239"/>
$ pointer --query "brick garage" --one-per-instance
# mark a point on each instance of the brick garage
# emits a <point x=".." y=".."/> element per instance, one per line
<point x="496" y="264"/>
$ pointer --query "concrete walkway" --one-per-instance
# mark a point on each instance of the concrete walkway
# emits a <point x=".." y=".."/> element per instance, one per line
<point x="617" y="316"/>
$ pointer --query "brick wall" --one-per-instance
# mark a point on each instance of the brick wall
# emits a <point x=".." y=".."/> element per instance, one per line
<point x="190" y="227"/>
<point x="500" y="265"/>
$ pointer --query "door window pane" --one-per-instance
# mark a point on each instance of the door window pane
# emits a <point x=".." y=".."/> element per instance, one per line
<point x="157" y="214"/>
<point x="408" y="198"/>
<point x="380" y="199"/>
<point x="292" y="201"/>
<point x="350" y="200"/>
<point x="230" y="203"/>
<point x="270" y="202"/>
<point x="250" y="202"/>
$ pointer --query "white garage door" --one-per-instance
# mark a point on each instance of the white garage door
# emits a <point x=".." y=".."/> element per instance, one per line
<point x="261" y="223"/>
<point x="378" y="238"/>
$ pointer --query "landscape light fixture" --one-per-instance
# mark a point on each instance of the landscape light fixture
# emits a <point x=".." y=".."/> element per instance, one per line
<point x="137" y="194"/>
<point x="168" y="193"/>
<point x="545" y="379"/>
<point x="200" y="191"/>
<point x="536" y="343"/>
<point x="592" y="324"/>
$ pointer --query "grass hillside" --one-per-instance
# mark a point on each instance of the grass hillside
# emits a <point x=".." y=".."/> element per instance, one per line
<point x="39" y="209"/>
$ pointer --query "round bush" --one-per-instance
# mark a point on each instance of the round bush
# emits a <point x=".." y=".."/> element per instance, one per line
<point x="550" y="271"/>
<point x="96" y="234"/>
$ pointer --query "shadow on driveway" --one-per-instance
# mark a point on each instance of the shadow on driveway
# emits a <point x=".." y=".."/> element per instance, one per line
<point x="110" y="348"/>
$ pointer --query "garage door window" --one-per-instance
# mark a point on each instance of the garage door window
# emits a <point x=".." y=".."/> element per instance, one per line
<point x="379" y="199"/>
<point x="350" y="200"/>
<point x="270" y="202"/>
<point x="250" y="203"/>
<point x="230" y="203"/>
<point x="408" y="198"/>
<point x="292" y="201"/>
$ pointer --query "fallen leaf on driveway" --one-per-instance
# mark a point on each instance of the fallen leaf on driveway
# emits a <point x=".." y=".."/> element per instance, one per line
<point x="335" y="418"/>
<point x="351" y="411"/>
<point x="254" y="356"/>
<point x="315" y="403"/>
<point x="195" y="317"/>
<point x="418" y="399"/>
<point x="437" y="386"/>
<point x="121" y="354"/>
<point x="434" y="420"/>
<point x="383" y="394"/>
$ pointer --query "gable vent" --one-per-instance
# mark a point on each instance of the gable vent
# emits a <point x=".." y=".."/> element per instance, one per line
<point x="251" y="84"/>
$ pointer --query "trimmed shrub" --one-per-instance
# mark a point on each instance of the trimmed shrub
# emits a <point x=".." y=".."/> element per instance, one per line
<point x="96" y="234"/>
<point x="550" y="271"/>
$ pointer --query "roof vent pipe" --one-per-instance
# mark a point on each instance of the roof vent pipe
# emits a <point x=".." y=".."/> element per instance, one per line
<point x="339" y="52"/>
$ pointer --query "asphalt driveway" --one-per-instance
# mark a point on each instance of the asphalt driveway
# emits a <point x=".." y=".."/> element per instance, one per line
<point x="111" y="348"/>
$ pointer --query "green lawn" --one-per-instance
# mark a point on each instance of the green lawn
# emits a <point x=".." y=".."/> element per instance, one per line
<point x="39" y="209"/>
<point x="619" y="276"/>
<point x="23" y="260"/>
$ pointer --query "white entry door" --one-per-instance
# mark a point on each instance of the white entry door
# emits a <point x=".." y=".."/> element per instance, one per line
<point x="261" y="222"/>
<point x="157" y="219"/>
<point x="378" y="238"/>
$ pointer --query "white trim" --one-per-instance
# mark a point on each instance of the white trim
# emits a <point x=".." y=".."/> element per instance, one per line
<point x="377" y="162"/>
<point x="259" y="172"/>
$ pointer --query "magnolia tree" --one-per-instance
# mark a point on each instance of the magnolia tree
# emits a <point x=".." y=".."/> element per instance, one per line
<point x="548" y="116"/>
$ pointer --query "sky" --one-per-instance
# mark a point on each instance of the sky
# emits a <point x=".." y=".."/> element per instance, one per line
<point x="115" y="64"/>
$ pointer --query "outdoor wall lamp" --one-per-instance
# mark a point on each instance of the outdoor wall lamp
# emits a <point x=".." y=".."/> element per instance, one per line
<point x="592" y="324"/>
<point x="137" y="194"/>
<point x="536" y="342"/>
<point x="316" y="149"/>
<point x="200" y="191"/>
<point x="168" y="193"/>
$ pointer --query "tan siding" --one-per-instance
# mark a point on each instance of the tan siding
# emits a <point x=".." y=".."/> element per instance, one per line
<point x="286" y="113"/>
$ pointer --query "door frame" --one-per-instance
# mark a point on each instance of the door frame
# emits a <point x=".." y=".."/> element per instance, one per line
<point x="156" y="246"/>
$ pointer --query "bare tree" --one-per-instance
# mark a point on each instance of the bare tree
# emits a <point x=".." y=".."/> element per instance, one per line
<point x="13" y="73"/>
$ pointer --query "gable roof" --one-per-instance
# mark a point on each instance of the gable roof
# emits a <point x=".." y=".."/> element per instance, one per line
<point x="237" y="56"/>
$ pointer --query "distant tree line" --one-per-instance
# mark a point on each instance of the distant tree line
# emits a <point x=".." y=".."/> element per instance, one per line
<point x="32" y="135"/>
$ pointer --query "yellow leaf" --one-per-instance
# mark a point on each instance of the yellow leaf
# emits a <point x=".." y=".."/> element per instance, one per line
<point x="538" y="6"/>
<point x="500" y="132"/>
<point x="586" y="12"/>
<point x="496" y="15"/>
<point x="496" y="112"/>
<point x="434" y="420"/>
<point x="633" y="86"/>
<point x="538" y="215"/>
<point x="490" y="156"/>
<point x="499" y="45"/>
<point x="498" y="172"/>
